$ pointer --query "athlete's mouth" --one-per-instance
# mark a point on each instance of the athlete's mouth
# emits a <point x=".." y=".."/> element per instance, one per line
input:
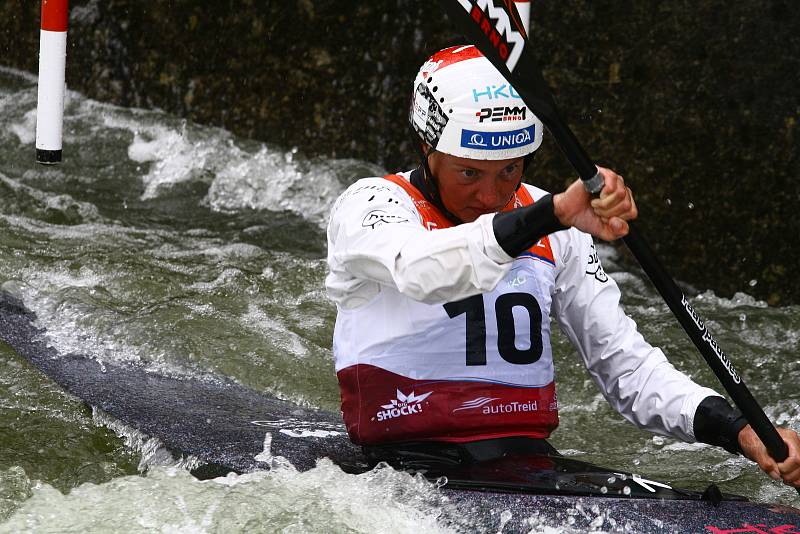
<point x="470" y="214"/>
<point x="484" y="210"/>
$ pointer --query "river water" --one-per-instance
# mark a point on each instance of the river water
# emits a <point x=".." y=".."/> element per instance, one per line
<point x="186" y="249"/>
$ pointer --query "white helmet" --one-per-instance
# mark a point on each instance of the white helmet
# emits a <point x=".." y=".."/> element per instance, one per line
<point x="463" y="106"/>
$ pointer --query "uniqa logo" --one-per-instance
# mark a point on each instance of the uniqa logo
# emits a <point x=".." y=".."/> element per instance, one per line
<point x="477" y="140"/>
<point x="497" y="140"/>
<point x="403" y="405"/>
<point x="518" y="281"/>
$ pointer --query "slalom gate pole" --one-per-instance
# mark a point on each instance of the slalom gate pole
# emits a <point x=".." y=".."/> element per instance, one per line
<point x="52" y="65"/>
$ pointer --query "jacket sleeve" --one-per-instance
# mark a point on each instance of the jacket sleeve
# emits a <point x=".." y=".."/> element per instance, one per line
<point x="633" y="376"/>
<point x="376" y="239"/>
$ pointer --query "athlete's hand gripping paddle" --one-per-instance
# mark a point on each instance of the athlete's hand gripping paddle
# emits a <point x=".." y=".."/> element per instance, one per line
<point x="495" y="28"/>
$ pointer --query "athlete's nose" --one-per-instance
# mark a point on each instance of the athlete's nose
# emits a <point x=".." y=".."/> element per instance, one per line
<point x="487" y="194"/>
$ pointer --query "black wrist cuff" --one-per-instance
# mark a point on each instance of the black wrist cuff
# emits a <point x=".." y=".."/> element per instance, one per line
<point x="717" y="423"/>
<point x="519" y="229"/>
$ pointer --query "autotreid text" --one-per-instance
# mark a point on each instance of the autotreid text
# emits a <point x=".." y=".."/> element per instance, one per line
<point x="487" y="406"/>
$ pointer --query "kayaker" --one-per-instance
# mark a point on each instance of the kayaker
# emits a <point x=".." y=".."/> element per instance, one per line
<point x="445" y="279"/>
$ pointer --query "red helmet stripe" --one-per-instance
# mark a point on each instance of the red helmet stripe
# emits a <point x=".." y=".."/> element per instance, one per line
<point x="455" y="54"/>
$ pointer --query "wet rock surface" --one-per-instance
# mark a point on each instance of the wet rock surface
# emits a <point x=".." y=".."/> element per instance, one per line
<point x="695" y="103"/>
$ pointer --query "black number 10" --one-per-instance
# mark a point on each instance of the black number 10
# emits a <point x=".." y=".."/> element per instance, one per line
<point x="506" y="330"/>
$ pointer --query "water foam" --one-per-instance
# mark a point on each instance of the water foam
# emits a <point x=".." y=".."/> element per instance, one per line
<point x="152" y="451"/>
<point x="240" y="175"/>
<point x="284" y="181"/>
<point x="323" y="499"/>
<point x="25" y="130"/>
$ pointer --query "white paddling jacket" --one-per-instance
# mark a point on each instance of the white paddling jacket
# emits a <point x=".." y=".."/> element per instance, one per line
<point x="440" y="335"/>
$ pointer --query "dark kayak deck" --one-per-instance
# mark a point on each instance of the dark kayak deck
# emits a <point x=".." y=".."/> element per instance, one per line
<point x="228" y="428"/>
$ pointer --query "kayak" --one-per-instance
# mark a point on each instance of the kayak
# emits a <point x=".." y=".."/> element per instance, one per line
<point x="226" y="427"/>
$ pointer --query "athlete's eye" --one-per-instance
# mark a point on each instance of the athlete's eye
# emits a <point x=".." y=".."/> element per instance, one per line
<point x="510" y="171"/>
<point x="469" y="173"/>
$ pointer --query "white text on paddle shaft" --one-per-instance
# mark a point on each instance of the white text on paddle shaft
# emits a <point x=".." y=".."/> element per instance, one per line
<point x="709" y="339"/>
<point x="500" y="35"/>
<point x="403" y="405"/>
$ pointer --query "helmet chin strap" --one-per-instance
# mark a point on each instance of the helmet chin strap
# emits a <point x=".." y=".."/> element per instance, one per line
<point x="423" y="179"/>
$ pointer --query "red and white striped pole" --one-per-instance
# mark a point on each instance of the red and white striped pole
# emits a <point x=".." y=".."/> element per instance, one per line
<point x="52" y="64"/>
<point x="524" y="10"/>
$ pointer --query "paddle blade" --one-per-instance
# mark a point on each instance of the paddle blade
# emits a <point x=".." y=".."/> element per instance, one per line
<point x="495" y="28"/>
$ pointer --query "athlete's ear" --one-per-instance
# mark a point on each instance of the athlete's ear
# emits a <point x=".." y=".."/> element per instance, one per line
<point x="430" y="154"/>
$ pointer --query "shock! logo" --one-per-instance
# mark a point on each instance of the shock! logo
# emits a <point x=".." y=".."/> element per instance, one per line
<point x="403" y="405"/>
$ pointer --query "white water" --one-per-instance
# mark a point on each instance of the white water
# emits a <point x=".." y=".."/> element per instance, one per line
<point x="170" y="500"/>
<point x="195" y="298"/>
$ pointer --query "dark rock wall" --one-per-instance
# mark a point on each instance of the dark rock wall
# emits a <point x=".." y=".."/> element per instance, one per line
<point x="694" y="102"/>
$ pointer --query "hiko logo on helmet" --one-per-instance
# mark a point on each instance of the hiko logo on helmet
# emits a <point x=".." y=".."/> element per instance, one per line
<point x="507" y="41"/>
<point x="498" y="140"/>
<point x="502" y="114"/>
<point x="495" y="92"/>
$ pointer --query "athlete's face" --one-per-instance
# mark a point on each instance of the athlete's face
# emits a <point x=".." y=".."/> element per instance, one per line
<point x="470" y="188"/>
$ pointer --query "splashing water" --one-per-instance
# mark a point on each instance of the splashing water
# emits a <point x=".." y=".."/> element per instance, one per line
<point x="187" y="251"/>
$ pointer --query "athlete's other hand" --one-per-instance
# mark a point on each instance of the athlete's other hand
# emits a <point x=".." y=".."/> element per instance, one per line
<point x="787" y="470"/>
<point x="604" y="217"/>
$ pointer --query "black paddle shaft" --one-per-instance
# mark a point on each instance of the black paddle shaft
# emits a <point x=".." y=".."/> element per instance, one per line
<point x="497" y="32"/>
